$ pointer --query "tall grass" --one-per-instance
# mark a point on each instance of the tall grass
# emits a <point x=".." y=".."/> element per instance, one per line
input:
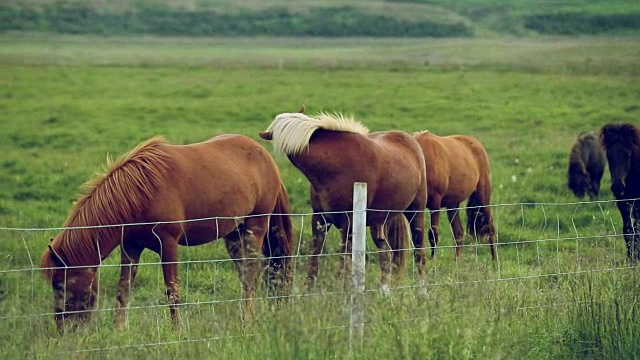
<point x="605" y="317"/>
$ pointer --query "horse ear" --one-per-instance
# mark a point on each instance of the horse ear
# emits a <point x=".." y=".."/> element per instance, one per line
<point x="301" y="111"/>
<point x="267" y="135"/>
<point x="50" y="239"/>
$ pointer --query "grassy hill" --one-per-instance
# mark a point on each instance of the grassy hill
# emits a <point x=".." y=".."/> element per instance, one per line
<point x="342" y="18"/>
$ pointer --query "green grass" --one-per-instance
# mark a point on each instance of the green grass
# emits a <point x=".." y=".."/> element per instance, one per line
<point x="589" y="55"/>
<point x="560" y="290"/>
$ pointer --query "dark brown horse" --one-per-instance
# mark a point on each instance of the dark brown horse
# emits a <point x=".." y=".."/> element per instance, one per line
<point x="334" y="152"/>
<point x="622" y="145"/>
<point x="458" y="169"/>
<point x="230" y="180"/>
<point x="586" y="165"/>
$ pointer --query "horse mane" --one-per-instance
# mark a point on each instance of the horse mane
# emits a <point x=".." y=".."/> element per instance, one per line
<point x="124" y="190"/>
<point x="625" y="133"/>
<point x="292" y="131"/>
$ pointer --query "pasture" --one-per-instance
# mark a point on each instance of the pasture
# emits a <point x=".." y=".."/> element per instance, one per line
<point x="560" y="289"/>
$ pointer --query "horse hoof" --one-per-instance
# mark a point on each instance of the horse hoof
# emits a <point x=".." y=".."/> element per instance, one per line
<point x="385" y="290"/>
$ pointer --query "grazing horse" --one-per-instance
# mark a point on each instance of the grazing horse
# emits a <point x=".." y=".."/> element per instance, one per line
<point x="334" y="152"/>
<point x="586" y="165"/>
<point x="622" y="146"/>
<point x="458" y="169"/>
<point x="144" y="201"/>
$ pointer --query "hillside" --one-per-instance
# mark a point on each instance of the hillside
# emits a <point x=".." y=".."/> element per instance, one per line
<point x="342" y="18"/>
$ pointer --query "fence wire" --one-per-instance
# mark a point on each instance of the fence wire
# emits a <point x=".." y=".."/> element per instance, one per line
<point x="537" y="245"/>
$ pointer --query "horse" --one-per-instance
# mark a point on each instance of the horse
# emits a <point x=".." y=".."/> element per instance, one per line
<point x="458" y="169"/>
<point x="621" y="143"/>
<point x="149" y="198"/>
<point x="586" y="165"/>
<point x="333" y="152"/>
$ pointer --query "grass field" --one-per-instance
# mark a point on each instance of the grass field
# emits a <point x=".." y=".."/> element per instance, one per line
<point x="560" y="290"/>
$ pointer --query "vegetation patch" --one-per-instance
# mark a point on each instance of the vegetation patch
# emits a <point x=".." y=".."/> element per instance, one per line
<point x="582" y="23"/>
<point x="340" y="21"/>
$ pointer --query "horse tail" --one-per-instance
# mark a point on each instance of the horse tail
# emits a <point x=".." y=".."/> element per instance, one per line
<point x="479" y="219"/>
<point x="577" y="176"/>
<point x="397" y="233"/>
<point x="278" y="245"/>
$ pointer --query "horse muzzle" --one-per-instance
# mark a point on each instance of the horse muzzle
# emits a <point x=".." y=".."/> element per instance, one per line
<point x="617" y="188"/>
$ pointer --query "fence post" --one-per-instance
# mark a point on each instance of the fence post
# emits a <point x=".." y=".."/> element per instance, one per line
<point x="358" y="251"/>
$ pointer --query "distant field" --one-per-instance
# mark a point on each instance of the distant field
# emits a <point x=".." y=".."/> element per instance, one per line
<point x="560" y="290"/>
<point x="588" y="55"/>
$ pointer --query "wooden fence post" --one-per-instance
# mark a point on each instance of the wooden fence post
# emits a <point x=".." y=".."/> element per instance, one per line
<point x="358" y="252"/>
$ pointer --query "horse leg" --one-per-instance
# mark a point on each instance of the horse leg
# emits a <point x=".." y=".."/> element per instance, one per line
<point x="433" y="231"/>
<point x="169" y="258"/>
<point x="434" y="204"/>
<point x="345" y="252"/>
<point x="416" y="225"/>
<point x="458" y="230"/>
<point x="635" y="250"/>
<point x="320" y="227"/>
<point x="385" y="255"/>
<point x="627" y="228"/>
<point x="590" y="185"/>
<point x="490" y="231"/>
<point x="244" y="248"/>
<point x="130" y="257"/>
<point x="487" y="229"/>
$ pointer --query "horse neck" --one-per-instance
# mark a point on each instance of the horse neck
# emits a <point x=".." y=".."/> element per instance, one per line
<point x="85" y="246"/>
<point x="324" y="157"/>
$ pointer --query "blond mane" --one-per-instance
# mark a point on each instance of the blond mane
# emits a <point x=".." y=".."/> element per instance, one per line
<point x="292" y="131"/>
<point x="117" y="196"/>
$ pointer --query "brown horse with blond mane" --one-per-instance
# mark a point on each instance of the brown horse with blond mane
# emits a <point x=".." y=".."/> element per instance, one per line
<point x="458" y="169"/>
<point x="150" y="198"/>
<point x="334" y="152"/>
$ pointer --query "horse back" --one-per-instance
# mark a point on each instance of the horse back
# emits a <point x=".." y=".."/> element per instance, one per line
<point x="456" y="166"/>
<point x="391" y="164"/>
<point x="402" y="170"/>
<point x="226" y="176"/>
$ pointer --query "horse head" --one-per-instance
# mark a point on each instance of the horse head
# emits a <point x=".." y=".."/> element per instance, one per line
<point x="75" y="291"/>
<point x="619" y="144"/>
<point x="268" y="135"/>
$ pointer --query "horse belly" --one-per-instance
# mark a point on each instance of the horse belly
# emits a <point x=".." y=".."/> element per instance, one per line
<point x="463" y="181"/>
<point x="455" y="197"/>
<point x="198" y="233"/>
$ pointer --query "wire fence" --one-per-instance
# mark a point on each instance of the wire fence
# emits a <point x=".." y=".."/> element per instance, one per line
<point x="539" y="245"/>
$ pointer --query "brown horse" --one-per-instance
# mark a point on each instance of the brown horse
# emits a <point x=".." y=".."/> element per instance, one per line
<point x="622" y="145"/>
<point x="458" y="169"/>
<point x="143" y="200"/>
<point x="334" y="152"/>
<point x="586" y="165"/>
